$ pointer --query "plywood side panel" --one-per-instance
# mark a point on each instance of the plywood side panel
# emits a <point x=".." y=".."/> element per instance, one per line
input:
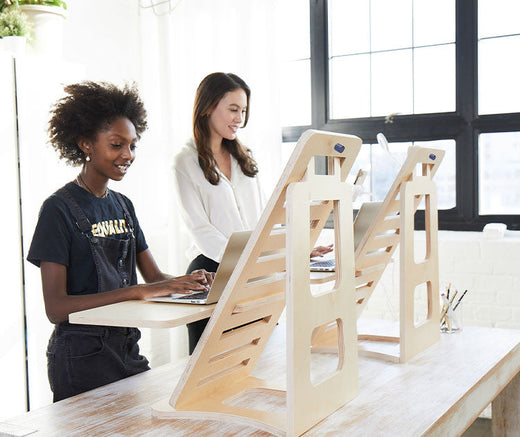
<point x="238" y="329"/>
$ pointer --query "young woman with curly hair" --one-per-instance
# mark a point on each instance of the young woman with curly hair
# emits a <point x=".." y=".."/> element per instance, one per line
<point x="88" y="241"/>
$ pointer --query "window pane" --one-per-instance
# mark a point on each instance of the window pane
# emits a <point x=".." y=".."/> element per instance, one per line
<point x="499" y="173"/>
<point x="411" y="66"/>
<point x="384" y="169"/>
<point x="362" y="163"/>
<point x="434" y="22"/>
<point x="392" y="82"/>
<point x="349" y="27"/>
<point x="445" y="178"/>
<point x="350" y="86"/>
<point x="434" y="79"/>
<point x="391" y="24"/>
<point x="296" y="93"/>
<point x="498" y="75"/>
<point x="498" y="17"/>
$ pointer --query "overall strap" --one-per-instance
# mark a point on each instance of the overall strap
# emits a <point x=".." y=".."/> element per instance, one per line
<point x="81" y="219"/>
<point x="128" y="216"/>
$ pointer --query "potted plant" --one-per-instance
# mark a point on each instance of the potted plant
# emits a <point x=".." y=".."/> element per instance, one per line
<point x="8" y="3"/>
<point x="14" y="30"/>
<point x="46" y="18"/>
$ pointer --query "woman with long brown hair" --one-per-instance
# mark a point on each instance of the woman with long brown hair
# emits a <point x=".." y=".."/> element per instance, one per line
<point x="216" y="175"/>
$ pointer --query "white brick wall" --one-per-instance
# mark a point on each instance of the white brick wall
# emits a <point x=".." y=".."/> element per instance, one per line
<point x="489" y="269"/>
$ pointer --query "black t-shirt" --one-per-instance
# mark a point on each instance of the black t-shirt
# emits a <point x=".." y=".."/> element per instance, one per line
<point x="58" y="239"/>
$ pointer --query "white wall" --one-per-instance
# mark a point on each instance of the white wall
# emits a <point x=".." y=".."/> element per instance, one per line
<point x="104" y="36"/>
<point x="12" y="353"/>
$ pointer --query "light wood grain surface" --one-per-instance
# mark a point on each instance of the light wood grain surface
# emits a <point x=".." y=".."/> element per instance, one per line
<point x="439" y="392"/>
<point x="143" y="314"/>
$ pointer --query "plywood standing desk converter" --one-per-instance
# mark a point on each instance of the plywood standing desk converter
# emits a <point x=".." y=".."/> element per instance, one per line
<point x="392" y="224"/>
<point x="228" y="352"/>
<point x="461" y="373"/>
<point x="277" y="254"/>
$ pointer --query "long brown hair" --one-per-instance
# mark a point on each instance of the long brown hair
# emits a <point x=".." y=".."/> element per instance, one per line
<point x="209" y="93"/>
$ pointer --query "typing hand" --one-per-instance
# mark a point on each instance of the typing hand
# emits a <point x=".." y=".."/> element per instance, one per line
<point x="319" y="251"/>
<point x="204" y="277"/>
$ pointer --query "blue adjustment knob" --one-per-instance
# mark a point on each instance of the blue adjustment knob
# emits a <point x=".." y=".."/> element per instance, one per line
<point x="432" y="156"/>
<point x="339" y="148"/>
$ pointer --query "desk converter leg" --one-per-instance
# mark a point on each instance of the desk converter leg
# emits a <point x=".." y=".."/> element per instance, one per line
<point x="505" y="410"/>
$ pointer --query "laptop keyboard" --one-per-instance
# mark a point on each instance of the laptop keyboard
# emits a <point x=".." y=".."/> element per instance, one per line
<point x="326" y="263"/>
<point x="199" y="296"/>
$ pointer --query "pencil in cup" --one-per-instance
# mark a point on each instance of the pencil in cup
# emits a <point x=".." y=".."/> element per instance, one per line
<point x="450" y="318"/>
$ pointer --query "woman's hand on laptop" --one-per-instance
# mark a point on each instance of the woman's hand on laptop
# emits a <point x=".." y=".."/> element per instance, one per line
<point x="207" y="277"/>
<point x="319" y="251"/>
<point x="197" y="281"/>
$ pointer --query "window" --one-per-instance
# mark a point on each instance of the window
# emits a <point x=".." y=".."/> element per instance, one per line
<point x="440" y="74"/>
<point x="498" y="41"/>
<point x="382" y="169"/>
<point x="499" y="173"/>
<point x="395" y="55"/>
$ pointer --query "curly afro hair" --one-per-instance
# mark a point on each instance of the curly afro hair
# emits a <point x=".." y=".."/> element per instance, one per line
<point x="89" y="108"/>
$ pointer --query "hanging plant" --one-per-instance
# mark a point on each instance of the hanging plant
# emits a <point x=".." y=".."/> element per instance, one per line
<point x="13" y="23"/>
<point x="7" y="3"/>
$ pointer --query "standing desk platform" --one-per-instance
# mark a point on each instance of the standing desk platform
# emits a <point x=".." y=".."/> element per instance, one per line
<point x="439" y="392"/>
<point x="143" y="314"/>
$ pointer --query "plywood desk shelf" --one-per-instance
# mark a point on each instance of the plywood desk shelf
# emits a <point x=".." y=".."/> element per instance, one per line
<point x="142" y="314"/>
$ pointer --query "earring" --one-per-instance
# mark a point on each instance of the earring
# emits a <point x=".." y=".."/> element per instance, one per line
<point x="87" y="158"/>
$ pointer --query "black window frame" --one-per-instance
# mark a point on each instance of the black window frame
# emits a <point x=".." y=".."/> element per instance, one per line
<point x="464" y="125"/>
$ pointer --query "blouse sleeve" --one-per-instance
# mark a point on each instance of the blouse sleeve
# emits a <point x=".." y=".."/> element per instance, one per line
<point x="207" y="237"/>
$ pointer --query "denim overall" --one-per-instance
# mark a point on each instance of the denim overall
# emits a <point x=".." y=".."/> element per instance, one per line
<point x="83" y="357"/>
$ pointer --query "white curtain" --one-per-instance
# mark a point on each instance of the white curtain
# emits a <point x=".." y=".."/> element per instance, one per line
<point x="178" y="50"/>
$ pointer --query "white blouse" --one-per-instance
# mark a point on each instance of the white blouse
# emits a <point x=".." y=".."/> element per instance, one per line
<point x="212" y="213"/>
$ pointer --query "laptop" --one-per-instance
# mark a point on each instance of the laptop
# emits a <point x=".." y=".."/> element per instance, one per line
<point x="327" y="264"/>
<point x="364" y="218"/>
<point x="234" y="248"/>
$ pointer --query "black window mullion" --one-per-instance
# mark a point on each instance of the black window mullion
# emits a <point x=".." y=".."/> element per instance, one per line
<point x="319" y="62"/>
<point x="498" y="122"/>
<point x="419" y="127"/>
<point x="467" y="107"/>
<point x="319" y="70"/>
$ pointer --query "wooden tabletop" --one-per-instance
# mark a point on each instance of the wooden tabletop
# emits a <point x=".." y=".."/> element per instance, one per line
<point x="439" y="392"/>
